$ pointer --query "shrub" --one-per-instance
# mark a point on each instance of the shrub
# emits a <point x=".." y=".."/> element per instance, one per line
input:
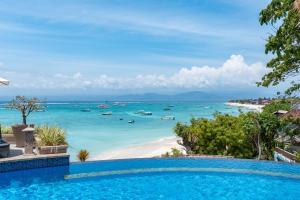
<point x="174" y="153"/>
<point x="6" y="130"/>
<point x="298" y="156"/>
<point x="83" y="155"/>
<point x="50" y="136"/>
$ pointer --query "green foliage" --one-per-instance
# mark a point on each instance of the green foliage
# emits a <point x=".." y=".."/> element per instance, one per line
<point x="50" y="136"/>
<point x="26" y="106"/>
<point x="284" y="44"/>
<point x="221" y="136"/>
<point x="6" y="130"/>
<point x="245" y="136"/>
<point x="83" y="155"/>
<point x="280" y="104"/>
<point x="174" y="153"/>
<point x="298" y="156"/>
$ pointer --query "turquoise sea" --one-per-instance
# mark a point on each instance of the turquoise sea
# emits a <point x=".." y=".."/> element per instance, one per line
<point x="97" y="133"/>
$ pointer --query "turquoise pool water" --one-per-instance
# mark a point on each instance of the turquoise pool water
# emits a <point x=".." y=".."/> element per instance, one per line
<point x="182" y="178"/>
<point x="98" y="133"/>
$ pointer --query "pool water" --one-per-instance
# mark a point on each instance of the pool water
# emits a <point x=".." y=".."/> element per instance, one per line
<point x="156" y="179"/>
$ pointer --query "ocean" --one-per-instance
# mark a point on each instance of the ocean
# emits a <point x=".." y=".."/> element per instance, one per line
<point x="99" y="133"/>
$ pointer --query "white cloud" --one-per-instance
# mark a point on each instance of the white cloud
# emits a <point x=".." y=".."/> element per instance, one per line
<point x="235" y="72"/>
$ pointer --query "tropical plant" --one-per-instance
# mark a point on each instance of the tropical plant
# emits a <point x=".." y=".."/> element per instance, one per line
<point x="279" y="104"/>
<point x="83" y="155"/>
<point x="284" y="44"/>
<point x="50" y="136"/>
<point x="26" y="106"/>
<point x="222" y="135"/>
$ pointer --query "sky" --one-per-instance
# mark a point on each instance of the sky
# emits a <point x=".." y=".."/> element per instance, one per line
<point x="84" y="47"/>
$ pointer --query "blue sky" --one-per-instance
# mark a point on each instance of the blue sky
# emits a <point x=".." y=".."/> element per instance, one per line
<point x="129" y="46"/>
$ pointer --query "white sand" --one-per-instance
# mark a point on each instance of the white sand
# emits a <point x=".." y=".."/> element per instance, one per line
<point x="147" y="150"/>
<point x="249" y="106"/>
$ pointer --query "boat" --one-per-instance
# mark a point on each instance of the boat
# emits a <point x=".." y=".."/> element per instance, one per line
<point x="142" y="112"/>
<point x="131" y="121"/>
<point x="85" y="110"/>
<point x="168" y="117"/>
<point x="107" y="113"/>
<point x="147" y="113"/>
<point x="103" y="106"/>
<point x="167" y="109"/>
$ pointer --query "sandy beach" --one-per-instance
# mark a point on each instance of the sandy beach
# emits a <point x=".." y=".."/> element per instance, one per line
<point x="249" y="106"/>
<point x="147" y="150"/>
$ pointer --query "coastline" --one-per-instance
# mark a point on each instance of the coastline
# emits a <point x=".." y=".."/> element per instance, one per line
<point x="147" y="150"/>
<point x="248" y="106"/>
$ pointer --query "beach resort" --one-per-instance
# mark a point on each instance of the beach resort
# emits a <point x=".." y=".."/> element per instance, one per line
<point x="139" y="100"/>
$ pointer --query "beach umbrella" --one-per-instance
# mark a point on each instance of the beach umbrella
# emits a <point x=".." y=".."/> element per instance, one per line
<point x="3" y="81"/>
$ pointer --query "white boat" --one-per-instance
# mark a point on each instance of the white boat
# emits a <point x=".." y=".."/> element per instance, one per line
<point x="85" y="110"/>
<point x="168" y="117"/>
<point x="131" y="121"/>
<point x="147" y="113"/>
<point x="103" y="106"/>
<point x="107" y="113"/>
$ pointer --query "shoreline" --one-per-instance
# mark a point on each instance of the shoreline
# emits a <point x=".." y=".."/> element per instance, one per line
<point x="248" y="106"/>
<point x="147" y="150"/>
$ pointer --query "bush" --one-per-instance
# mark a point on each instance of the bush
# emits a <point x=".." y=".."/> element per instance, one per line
<point x="83" y="155"/>
<point x="223" y="135"/>
<point x="6" y="130"/>
<point x="50" y="136"/>
<point x="298" y="156"/>
<point x="174" y="153"/>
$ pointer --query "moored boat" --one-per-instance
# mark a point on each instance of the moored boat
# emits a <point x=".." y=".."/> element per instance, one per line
<point x="103" y="106"/>
<point x="168" y="117"/>
<point x="107" y="113"/>
<point x="147" y="113"/>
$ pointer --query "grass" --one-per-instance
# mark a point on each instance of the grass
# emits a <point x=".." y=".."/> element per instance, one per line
<point x="50" y="136"/>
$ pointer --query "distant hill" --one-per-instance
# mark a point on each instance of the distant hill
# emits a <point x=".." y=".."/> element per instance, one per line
<point x="184" y="96"/>
<point x="187" y="96"/>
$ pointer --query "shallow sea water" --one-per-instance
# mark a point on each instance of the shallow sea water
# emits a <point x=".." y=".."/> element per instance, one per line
<point x="99" y="133"/>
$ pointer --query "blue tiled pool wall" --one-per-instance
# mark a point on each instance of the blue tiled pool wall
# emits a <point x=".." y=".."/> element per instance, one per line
<point x="110" y="165"/>
<point x="23" y="178"/>
<point x="8" y="166"/>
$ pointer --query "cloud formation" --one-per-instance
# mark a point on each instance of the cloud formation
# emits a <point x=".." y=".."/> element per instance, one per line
<point x="234" y="72"/>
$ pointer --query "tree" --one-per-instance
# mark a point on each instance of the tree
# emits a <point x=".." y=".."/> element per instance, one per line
<point x="222" y="135"/>
<point x="26" y="106"/>
<point x="284" y="45"/>
<point x="280" y="104"/>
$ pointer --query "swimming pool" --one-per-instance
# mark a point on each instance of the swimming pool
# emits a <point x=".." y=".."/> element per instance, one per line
<point x="182" y="178"/>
